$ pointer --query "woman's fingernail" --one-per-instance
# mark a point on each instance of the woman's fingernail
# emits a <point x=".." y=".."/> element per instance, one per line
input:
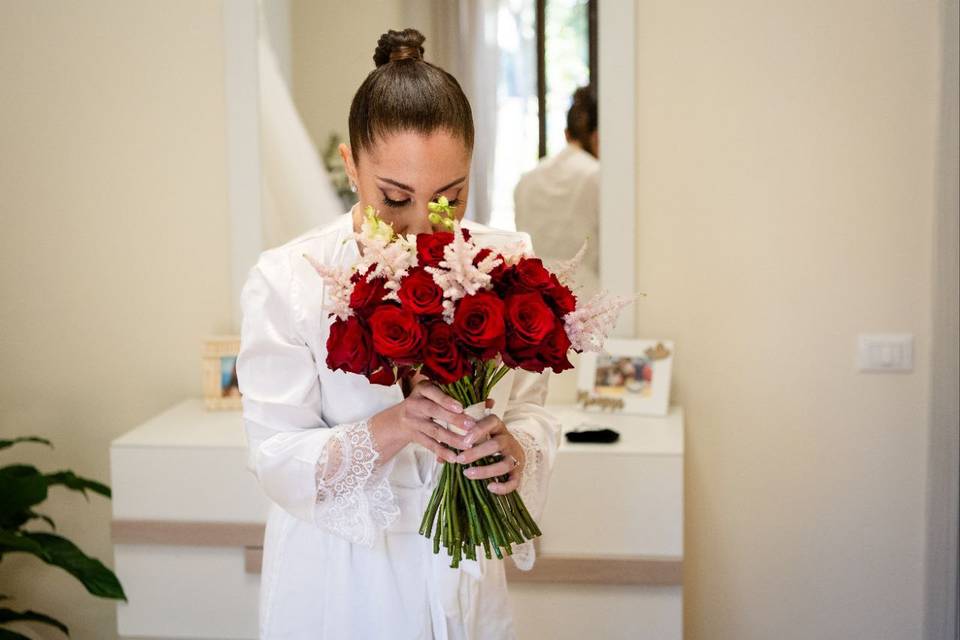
<point x="469" y="424"/>
<point x="469" y="472"/>
<point x="456" y="407"/>
<point x="460" y="458"/>
<point x="469" y="439"/>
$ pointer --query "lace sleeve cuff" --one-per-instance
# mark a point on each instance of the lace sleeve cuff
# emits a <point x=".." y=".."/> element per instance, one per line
<point x="354" y="497"/>
<point x="529" y="476"/>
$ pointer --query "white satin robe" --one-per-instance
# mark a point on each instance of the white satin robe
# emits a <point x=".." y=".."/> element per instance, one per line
<point x="343" y="558"/>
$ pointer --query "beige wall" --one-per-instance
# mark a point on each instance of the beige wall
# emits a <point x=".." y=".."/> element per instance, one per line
<point x="114" y="247"/>
<point x="785" y="194"/>
<point x="332" y="52"/>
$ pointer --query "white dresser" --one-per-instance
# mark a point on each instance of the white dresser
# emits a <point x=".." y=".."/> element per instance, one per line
<point x="188" y="521"/>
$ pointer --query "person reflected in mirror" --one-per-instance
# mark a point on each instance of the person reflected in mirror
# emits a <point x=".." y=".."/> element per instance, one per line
<point x="558" y="201"/>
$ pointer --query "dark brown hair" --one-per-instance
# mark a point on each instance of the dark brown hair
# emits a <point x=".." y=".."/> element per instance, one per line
<point x="407" y="93"/>
<point x="582" y="117"/>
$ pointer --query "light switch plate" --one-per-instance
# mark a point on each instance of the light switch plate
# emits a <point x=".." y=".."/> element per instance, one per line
<point x="885" y="352"/>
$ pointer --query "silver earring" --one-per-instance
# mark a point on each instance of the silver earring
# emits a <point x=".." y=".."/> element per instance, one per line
<point x="353" y="187"/>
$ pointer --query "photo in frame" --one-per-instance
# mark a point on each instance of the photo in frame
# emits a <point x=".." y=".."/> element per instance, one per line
<point x="628" y="376"/>
<point x="221" y="390"/>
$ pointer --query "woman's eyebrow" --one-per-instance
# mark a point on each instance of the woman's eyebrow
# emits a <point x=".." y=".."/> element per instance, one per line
<point x="410" y="189"/>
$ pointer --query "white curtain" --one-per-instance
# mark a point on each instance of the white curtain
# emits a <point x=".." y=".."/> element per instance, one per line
<point x="297" y="191"/>
<point x="464" y="42"/>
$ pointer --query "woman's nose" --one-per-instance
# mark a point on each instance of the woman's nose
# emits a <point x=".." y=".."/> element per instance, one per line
<point x="420" y="223"/>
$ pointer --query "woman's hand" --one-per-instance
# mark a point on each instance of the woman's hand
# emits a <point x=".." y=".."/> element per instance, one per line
<point x="411" y="420"/>
<point x="492" y="437"/>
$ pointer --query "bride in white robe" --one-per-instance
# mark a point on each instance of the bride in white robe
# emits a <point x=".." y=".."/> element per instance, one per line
<point x="343" y="558"/>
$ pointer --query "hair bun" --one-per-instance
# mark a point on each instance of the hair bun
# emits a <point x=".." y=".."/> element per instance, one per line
<point x="399" y="45"/>
<point x="584" y="96"/>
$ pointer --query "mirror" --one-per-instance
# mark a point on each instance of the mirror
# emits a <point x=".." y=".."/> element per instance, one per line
<point x="520" y="62"/>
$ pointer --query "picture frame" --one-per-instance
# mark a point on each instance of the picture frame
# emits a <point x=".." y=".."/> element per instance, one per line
<point x="629" y="376"/>
<point x="221" y="391"/>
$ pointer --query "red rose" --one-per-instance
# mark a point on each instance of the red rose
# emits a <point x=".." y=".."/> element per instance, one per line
<point x="560" y="297"/>
<point x="530" y="273"/>
<point x="529" y="318"/>
<point x="385" y="374"/>
<point x="442" y="360"/>
<point x="430" y="246"/>
<point x="478" y="322"/>
<point x="420" y="294"/>
<point x="555" y="349"/>
<point x="349" y="347"/>
<point x="498" y="270"/>
<point x="551" y="352"/>
<point x="396" y="333"/>
<point x="366" y="295"/>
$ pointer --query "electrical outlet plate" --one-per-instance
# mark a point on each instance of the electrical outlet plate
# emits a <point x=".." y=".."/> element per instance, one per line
<point x="888" y="352"/>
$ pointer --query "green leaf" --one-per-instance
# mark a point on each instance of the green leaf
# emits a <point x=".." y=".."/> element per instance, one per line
<point x="58" y="551"/>
<point x="9" y="443"/>
<point x="11" y="541"/>
<point x="77" y="483"/>
<point x="33" y="514"/>
<point x="9" y="615"/>
<point x="23" y="486"/>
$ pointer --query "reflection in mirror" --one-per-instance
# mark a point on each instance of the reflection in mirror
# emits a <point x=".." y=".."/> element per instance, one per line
<point x="528" y="68"/>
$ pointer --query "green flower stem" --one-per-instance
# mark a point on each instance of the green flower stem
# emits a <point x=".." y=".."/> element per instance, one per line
<point x="427" y="523"/>
<point x="514" y="506"/>
<point x="488" y="498"/>
<point x="528" y="517"/>
<point x="463" y="513"/>
<point x="456" y="517"/>
<point x="486" y="546"/>
<point x="471" y="512"/>
<point x="485" y="507"/>
<point x="514" y="527"/>
<point x="440" y="503"/>
<point x="472" y="519"/>
<point x="448" y="507"/>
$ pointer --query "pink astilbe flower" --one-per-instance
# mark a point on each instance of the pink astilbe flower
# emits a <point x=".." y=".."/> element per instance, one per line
<point x="341" y="287"/>
<point x="564" y="269"/>
<point x="514" y="252"/>
<point x="390" y="255"/>
<point x="456" y="274"/>
<point x="588" y="325"/>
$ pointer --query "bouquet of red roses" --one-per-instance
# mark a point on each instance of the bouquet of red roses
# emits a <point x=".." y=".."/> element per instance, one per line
<point x="462" y="315"/>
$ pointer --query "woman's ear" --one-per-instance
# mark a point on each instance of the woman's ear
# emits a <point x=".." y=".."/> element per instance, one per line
<point x="347" y="158"/>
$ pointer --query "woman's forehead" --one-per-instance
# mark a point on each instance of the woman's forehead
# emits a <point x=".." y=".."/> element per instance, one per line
<point x="416" y="159"/>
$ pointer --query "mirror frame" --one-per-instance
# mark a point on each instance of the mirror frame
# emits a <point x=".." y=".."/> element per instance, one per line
<point x="616" y="58"/>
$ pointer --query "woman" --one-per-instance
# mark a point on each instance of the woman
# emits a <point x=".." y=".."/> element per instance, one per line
<point x="349" y="466"/>
<point x="558" y="201"/>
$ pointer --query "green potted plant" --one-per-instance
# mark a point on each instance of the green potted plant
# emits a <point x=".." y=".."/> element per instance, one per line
<point x="23" y="487"/>
<point x="338" y="173"/>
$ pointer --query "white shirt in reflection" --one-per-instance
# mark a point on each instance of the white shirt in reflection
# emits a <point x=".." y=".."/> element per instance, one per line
<point x="557" y="203"/>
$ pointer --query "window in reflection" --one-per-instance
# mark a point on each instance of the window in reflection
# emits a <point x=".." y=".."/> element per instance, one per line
<point x="567" y="63"/>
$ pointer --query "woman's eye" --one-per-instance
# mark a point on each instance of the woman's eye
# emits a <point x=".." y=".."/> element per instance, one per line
<point x="395" y="203"/>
